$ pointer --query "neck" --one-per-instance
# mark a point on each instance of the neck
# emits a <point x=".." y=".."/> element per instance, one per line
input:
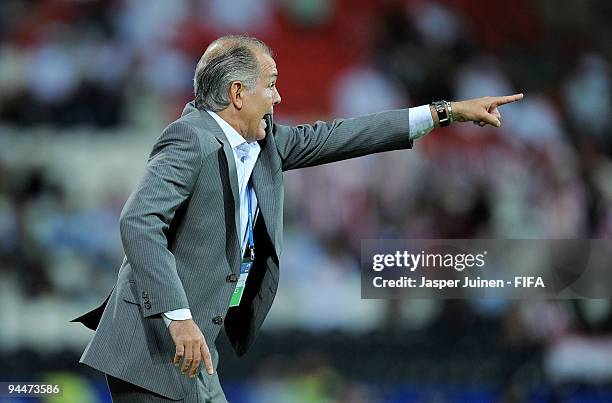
<point x="230" y="117"/>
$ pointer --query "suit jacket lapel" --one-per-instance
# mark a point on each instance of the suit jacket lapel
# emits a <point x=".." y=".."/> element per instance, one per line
<point x="231" y="166"/>
<point x="268" y="188"/>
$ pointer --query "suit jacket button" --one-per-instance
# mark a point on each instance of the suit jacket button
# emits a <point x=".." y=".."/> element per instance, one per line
<point x="147" y="305"/>
<point x="144" y="294"/>
<point x="217" y="320"/>
<point x="232" y="278"/>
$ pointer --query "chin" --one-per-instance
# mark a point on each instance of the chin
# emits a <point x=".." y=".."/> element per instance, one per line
<point x="260" y="135"/>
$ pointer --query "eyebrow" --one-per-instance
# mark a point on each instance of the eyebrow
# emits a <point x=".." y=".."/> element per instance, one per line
<point x="274" y="75"/>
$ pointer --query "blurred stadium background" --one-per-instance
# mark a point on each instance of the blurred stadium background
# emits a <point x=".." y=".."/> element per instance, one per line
<point x="86" y="87"/>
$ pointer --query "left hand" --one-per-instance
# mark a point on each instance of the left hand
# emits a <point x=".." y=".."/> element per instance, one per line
<point x="482" y="111"/>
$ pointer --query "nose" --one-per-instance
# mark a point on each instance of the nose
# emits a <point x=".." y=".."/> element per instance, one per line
<point x="277" y="97"/>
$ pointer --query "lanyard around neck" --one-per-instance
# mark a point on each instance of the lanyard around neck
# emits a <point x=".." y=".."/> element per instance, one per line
<point x="250" y="221"/>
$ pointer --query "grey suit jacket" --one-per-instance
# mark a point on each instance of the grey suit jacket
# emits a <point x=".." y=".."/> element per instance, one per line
<point x="179" y="230"/>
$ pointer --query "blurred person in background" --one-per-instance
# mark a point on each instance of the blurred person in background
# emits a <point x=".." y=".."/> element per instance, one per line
<point x="211" y="196"/>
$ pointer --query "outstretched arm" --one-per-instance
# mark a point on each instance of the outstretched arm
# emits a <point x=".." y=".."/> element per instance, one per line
<point x="308" y="145"/>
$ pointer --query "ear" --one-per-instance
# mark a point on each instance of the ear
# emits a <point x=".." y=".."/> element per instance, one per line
<point x="236" y="94"/>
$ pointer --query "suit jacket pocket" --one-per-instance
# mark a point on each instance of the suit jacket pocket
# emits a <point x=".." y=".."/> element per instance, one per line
<point x="126" y="292"/>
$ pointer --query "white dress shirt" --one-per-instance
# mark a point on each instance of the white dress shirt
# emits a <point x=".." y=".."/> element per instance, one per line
<point x="420" y="123"/>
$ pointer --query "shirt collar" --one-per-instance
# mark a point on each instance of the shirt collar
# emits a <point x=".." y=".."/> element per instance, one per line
<point x="234" y="138"/>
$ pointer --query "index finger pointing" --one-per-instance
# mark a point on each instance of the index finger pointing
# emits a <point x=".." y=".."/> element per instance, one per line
<point x="508" y="99"/>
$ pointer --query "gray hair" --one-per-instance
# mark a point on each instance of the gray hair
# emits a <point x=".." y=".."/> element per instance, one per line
<point x="227" y="59"/>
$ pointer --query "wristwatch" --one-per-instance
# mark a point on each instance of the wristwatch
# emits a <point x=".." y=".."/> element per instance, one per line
<point x="442" y="108"/>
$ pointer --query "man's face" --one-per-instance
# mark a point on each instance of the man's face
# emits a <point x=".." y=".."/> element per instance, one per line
<point x="261" y="100"/>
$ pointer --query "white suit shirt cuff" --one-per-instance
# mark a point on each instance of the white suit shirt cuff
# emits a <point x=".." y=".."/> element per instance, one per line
<point x="177" y="314"/>
<point x="420" y="121"/>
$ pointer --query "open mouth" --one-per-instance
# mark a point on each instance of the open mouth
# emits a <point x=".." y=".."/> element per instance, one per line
<point x="267" y="120"/>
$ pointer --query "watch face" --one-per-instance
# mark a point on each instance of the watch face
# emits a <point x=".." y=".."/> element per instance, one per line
<point x="443" y="118"/>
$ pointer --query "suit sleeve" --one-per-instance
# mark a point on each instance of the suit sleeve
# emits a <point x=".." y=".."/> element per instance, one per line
<point x="169" y="178"/>
<point x="309" y="145"/>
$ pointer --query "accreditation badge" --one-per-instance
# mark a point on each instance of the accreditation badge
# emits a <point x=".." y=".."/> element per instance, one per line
<point x="244" y="273"/>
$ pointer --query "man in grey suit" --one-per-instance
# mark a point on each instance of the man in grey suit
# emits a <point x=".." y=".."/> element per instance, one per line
<point x="202" y="231"/>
